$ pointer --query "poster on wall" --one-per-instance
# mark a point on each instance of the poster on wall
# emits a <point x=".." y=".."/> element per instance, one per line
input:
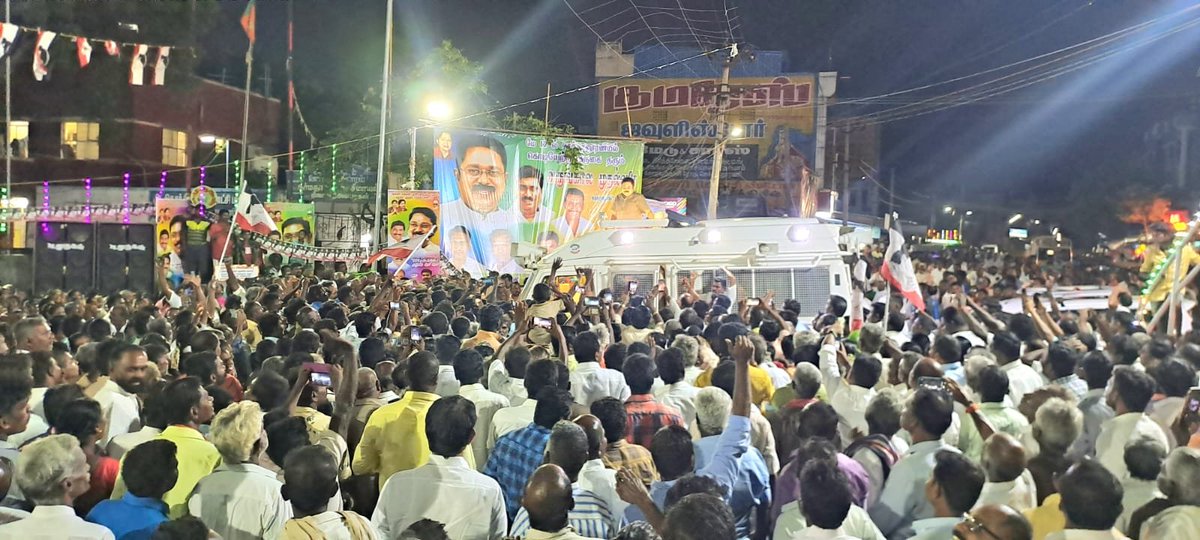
<point x="411" y="216"/>
<point x="500" y="188"/>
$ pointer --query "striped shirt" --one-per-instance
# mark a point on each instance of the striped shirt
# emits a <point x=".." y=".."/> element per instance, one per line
<point x="591" y="516"/>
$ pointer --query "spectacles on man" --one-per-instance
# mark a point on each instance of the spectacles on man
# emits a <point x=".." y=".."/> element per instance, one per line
<point x="474" y="173"/>
<point x="976" y="526"/>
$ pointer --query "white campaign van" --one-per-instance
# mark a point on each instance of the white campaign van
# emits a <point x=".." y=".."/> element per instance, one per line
<point x="797" y="258"/>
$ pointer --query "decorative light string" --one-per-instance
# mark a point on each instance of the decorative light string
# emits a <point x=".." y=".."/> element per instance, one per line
<point x="3" y="210"/>
<point x="162" y="184"/>
<point x="270" y="186"/>
<point x="237" y="173"/>
<point x="125" y="198"/>
<point x="301" y="179"/>
<point x="333" y="171"/>
<point x="45" y="206"/>
<point x="87" y="193"/>
<point x="203" y="175"/>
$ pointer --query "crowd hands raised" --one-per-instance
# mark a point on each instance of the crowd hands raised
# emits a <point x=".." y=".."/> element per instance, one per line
<point x="328" y="404"/>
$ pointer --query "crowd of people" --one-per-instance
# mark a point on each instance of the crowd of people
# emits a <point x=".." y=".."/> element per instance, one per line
<point x="337" y="405"/>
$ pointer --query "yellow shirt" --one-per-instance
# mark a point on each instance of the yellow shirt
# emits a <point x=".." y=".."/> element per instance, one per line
<point x="1047" y="518"/>
<point x="394" y="438"/>
<point x="761" y="388"/>
<point x="197" y="458"/>
<point x="1154" y="256"/>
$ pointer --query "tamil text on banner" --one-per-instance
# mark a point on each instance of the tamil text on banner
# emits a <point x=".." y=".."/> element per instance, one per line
<point x="773" y="118"/>
<point x="348" y="183"/>
<point x="411" y="216"/>
<point x="501" y="188"/>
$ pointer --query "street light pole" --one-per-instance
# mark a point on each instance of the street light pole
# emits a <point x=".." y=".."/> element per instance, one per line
<point x="381" y="175"/>
<point x="714" y="181"/>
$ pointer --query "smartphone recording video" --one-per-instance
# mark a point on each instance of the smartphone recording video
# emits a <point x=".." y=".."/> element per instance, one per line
<point x="542" y="322"/>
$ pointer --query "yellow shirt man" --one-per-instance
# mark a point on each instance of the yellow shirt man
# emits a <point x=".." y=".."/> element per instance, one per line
<point x="761" y="388"/>
<point x="197" y="458"/>
<point x="394" y="439"/>
<point x="1154" y="256"/>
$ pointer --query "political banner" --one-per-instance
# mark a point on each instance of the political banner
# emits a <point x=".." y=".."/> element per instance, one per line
<point x="694" y="161"/>
<point x="412" y="215"/>
<point x="294" y="221"/>
<point x="501" y="188"/>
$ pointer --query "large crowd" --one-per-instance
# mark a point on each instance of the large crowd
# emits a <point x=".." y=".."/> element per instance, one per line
<point x="322" y="403"/>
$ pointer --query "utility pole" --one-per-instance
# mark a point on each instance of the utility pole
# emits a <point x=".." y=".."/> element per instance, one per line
<point x="714" y="181"/>
<point x="377" y="229"/>
<point x="892" y="191"/>
<point x="291" y="100"/>
<point x="846" y="178"/>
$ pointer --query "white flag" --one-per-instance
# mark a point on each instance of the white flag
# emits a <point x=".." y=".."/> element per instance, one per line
<point x="160" y="66"/>
<point x="8" y="36"/>
<point x="137" y="68"/>
<point x="41" y="54"/>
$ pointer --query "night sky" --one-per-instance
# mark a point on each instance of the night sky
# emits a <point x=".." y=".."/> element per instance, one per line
<point x="1022" y="147"/>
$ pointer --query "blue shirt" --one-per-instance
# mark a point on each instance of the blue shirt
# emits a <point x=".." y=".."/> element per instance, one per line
<point x="130" y="517"/>
<point x="956" y="372"/>
<point x="753" y="487"/>
<point x="513" y="460"/>
<point x="722" y="466"/>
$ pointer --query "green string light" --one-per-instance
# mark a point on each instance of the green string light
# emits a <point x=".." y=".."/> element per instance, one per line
<point x="302" y="178"/>
<point x="270" y="186"/>
<point x="237" y="172"/>
<point x="333" y="171"/>
<point x="3" y="210"/>
<point x="1161" y="266"/>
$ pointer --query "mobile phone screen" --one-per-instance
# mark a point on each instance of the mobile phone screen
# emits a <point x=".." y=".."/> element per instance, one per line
<point x="591" y="301"/>
<point x="321" y="379"/>
<point x="415" y="335"/>
<point x="607" y="298"/>
<point x="633" y="287"/>
<point x="539" y="321"/>
<point x="932" y="383"/>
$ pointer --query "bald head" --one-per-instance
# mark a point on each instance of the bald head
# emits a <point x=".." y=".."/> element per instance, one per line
<point x="368" y="383"/>
<point x="310" y="476"/>
<point x="548" y="498"/>
<point x="422" y="371"/>
<point x="595" y="435"/>
<point x="998" y="521"/>
<point x="1003" y="458"/>
<point x="925" y="367"/>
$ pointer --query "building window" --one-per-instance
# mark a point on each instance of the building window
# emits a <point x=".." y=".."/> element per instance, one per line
<point x="80" y="140"/>
<point x="174" y="148"/>
<point x="18" y="139"/>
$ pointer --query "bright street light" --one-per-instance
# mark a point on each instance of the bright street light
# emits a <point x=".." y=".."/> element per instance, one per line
<point x="948" y="209"/>
<point x="1015" y="218"/>
<point x="208" y="138"/>
<point x="737" y="131"/>
<point x="970" y="212"/>
<point x="437" y="109"/>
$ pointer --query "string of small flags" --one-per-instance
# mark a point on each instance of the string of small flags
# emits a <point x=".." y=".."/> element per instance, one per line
<point x="10" y="34"/>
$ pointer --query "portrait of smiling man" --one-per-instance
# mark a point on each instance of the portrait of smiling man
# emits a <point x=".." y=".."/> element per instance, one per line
<point x="482" y="179"/>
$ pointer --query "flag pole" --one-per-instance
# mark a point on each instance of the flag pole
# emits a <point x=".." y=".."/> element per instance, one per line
<point x="237" y="211"/>
<point x="377" y="231"/>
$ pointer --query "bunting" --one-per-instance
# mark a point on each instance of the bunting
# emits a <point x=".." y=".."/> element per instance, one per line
<point x="8" y="37"/>
<point x="41" y="54"/>
<point x="137" y="68"/>
<point x="160" y="65"/>
<point x="83" y="49"/>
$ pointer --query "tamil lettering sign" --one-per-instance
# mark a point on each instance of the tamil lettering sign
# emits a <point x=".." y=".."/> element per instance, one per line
<point x="776" y="116"/>
<point x="355" y="183"/>
<point x="694" y="161"/>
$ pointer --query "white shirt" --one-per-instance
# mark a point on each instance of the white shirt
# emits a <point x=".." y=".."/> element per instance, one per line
<point x="903" y="499"/>
<point x="36" y="427"/>
<point x="241" y="501"/>
<point x="446" y="490"/>
<point x="564" y="228"/>
<point x="447" y="384"/>
<point x="682" y="396"/>
<point x="1174" y="522"/>
<point x="1022" y="380"/>
<point x="590" y="383"/>
<point x="972" y="337"/>
<point x="510" y="419"/>
<point x="849" y="400"/>
<point x="54" y="522"/>
<point x="500" y="382"/>
<point x="690" y="374"/>
<point x="120" y="409"/>
<point x="763" y="439"/>
<point x="1084" y="534"/>
<point x="1117" y="433"/>
<point x="331" y="525"/>
<point x="486" y="405"/>
<point x="1164" y="412"/>
<point x="937" y="528"/>
<point x="857" y="524"/>
<point x="602" y="482"/>
<point x="1137" y="493"/>
<point x="780" y="377"/>
<point x="1019" y="494"/>
<point x="125" y="442"/>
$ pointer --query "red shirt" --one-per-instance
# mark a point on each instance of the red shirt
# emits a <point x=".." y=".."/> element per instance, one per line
<point x="644" y="417"/>
<point x="218" y="233"/>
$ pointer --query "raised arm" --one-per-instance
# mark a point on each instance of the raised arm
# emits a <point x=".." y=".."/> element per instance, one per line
<point x="339" y="352"/>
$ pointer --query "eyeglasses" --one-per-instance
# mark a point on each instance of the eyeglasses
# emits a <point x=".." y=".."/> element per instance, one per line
<point x="474" y="173"/>
<point x="976" y="526"/>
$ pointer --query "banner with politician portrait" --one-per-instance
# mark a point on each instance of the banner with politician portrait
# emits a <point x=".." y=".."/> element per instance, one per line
<point x="294" y="221"/>
<point x="501" y="188"/>
<point x="413" y="214"/>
